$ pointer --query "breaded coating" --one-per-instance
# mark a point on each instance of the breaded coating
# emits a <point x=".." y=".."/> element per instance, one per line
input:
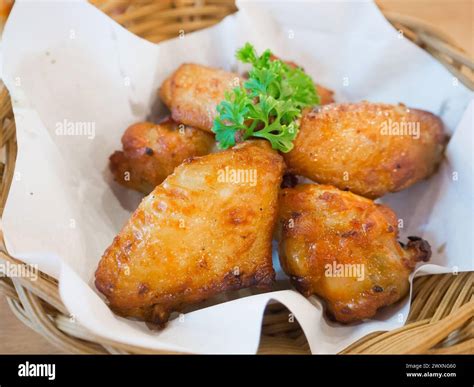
<point x="151" y="152"/>
<point x="205" y="230"/>
<point x="367" y="148"/>
<point x="193" y="92"/>
<point x="343" y="248"/>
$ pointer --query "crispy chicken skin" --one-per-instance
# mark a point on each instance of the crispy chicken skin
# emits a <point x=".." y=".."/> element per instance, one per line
<point x="354" y="146"/>
<point x="206" y="229"/>
<point x="151" y="152"/>
<point x="323" y="230"/>
<point x="326" y="96"/>
<point x="193" y="92"/>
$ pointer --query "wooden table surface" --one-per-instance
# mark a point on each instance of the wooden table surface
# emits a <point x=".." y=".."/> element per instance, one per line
<point x="454" y="17"/>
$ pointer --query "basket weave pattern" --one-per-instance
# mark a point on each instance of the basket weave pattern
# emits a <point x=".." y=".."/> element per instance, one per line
<point x="440" y="319"/>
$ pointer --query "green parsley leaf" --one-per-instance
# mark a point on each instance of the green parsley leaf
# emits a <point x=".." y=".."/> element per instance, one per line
<point x="268" y="105"/>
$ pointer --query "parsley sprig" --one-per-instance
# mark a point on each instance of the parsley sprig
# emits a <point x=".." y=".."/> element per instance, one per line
<point x="268" y="105"/>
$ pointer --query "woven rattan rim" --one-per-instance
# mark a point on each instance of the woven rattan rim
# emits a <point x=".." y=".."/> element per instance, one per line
<point x="440" y="319"/>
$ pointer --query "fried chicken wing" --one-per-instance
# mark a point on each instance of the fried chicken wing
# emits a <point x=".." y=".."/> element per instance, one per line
<point x="193" y="92"/>
<point x="369" y="149"/>
<point x="344" y="248"/>
<point x="151" y="152"/>
<point x="206" y="229"/>
<point x="326" y="96"/>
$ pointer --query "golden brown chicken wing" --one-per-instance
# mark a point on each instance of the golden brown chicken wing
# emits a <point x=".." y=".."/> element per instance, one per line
<point x="151" y="152"/>
<point x="369" y="149"/>
<point x="344" y="248"/>
<point x="193" y="92"/>
<point x="326" y="96"/>
<point x="206" y="229"/>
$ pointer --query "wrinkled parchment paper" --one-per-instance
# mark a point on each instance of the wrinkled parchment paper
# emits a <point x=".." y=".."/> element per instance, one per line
<point x="66" y="62"/>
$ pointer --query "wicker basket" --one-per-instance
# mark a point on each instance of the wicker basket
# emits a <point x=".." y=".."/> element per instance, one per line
<point x="440" y="320"/>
